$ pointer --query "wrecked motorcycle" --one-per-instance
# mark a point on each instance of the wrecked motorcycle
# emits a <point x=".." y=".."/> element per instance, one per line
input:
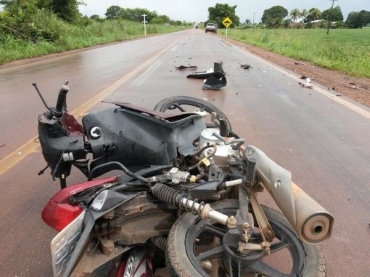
<point x="186" y="204"/>
<point x="128" y="135"/>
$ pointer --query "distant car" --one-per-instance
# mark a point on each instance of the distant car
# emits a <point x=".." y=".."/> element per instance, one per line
<point x="211" y="27"/>
<point x="196" y="27"/>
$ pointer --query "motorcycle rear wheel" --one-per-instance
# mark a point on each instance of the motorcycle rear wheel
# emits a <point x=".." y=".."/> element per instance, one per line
<point x="187" y="103"/>
<point x="189" y="234"/>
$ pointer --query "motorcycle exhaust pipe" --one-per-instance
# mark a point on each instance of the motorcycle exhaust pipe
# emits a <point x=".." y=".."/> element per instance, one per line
<point x="310" y="220"/>
<point x="313" y="223"/>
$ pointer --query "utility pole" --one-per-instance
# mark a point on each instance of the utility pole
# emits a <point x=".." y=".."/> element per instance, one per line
<point x="253" y="19"/>
<point x="144" y="21"/>
<point x="327" y="19"/>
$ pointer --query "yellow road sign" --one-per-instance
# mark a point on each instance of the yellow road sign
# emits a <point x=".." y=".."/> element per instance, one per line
<point x="227" y="22"/>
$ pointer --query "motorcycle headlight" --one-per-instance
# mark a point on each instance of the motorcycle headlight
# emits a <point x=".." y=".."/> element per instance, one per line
<point x="98" y="203"/>
<point x="107" y="199"/>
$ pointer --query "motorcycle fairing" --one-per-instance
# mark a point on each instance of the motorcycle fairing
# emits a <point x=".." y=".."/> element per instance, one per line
<point x="135" y="137"/>
<point x="55" y="140"/>
<point x="82" y="238"/>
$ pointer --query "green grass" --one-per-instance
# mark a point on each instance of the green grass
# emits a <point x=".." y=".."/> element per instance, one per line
<point x="346" y="50"/>
<point x="75" y="37"/>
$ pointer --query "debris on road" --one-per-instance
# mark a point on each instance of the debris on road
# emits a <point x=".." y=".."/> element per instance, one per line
<point x="217" y="71"/>
<point x="214" y="78"/>
<point x="307" y="84"/>
<point x="214" y="83"/>
<point x="181" y="67"/>
<point x="245" y="66"/>
<point x="298" y="63"/>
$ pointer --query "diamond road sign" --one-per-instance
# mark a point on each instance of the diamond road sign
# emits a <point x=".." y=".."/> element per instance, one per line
<point x="227" y="22"/>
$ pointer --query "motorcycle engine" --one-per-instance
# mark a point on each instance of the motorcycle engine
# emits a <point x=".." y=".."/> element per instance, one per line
<point x="223" y="151"/>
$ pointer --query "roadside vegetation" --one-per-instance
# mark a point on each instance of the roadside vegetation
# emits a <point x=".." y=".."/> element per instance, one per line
<point x="346" y="50"/>
<point x="32" y="28"/>
<point x="304" y="35"/>
<point x="71" y="37"/>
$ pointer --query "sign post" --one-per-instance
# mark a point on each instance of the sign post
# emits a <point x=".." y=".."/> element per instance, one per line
<point x="227" y="22"/>
<point x="144" y="21"/>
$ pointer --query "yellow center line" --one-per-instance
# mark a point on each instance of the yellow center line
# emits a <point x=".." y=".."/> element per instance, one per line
<point x="31" y="146"/>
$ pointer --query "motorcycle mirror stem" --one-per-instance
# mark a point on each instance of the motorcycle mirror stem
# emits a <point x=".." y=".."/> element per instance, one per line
<point x="42" y="98"/>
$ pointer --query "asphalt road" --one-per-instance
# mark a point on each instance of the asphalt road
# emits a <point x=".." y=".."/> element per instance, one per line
<point x="321" y="138"/>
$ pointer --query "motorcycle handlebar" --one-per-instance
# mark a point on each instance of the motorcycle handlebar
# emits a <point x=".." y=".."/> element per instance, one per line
<point x="61" y="102"/>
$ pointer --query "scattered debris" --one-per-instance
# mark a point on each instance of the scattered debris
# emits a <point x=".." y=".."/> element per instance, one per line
<point x="214" y="79"/>
<point x="2" y="145"/>
<point x="339" y="95"/>
<point x="245" y="66"/>
<point x="217" y="72"/>
<point x="297" y="63"/>
<point x="353" y="85"/>
<point x="214" y="83"/>
<point x="181" y="67"/>
<point x="204" y="74"/>
<point x="303" y="77"/>
<point x="307" y="84"/>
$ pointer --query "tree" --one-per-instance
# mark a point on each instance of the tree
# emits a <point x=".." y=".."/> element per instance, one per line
<point x="274" y="16"/>
<point x="334" y="14"/>
<point x="217" y="13"/>
<point x="13" y="6"/>
<point x="313" y="14"/>
<point x="295" y="14"/>
<point x="303" y="14"/>
<point x="95" y="17"/>
<point x="365" y="17"/>
<point x="357" y="19"/>
<point x="64" y="9"/>
<point x="113" y="12"/>
<point x="136" y="14"/>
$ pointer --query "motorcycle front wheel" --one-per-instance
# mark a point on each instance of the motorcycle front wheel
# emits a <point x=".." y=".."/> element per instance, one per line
<point x="198" y="248"/>
<point x="193" y="104"/>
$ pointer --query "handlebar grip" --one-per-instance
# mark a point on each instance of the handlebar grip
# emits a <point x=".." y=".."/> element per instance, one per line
<point x="61" y="102"/>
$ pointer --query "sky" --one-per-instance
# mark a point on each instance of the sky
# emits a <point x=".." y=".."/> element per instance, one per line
<point x="197" y="10"/>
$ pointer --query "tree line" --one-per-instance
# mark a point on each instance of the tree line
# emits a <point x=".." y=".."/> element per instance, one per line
<point x="45" y="20"/>
<point x="116" y="12"/>
<point x="278" y="16"/>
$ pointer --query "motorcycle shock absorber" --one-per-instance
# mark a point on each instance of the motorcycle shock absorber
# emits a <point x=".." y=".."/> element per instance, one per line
<point x="176" y="199"/>
<point x="160" y="242"/>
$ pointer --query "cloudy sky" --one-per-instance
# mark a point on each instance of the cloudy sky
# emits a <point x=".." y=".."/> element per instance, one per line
<point x="197" y="10"/>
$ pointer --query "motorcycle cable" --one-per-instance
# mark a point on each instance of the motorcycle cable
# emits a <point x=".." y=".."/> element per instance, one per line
<point x="208" y="156"/>
<point x="124" y="169"/>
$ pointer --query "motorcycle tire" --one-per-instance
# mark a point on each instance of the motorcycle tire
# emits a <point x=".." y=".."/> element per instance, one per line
<point x="181" y="260"/>
<point x="171" y="103"/>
